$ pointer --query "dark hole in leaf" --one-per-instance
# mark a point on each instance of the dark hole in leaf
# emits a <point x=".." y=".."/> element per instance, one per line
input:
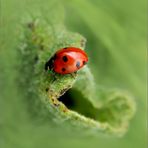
<point x="75" y="101"/>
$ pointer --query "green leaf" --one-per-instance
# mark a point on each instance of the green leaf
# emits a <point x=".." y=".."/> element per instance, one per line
<point x="109" y="112"/>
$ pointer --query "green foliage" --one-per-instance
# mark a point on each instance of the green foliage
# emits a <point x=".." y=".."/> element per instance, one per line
<point x="40" y="42"/>
<point x="32" y="116"/>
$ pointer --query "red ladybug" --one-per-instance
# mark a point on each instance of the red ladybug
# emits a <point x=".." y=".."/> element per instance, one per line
<point x="67" y="60"/>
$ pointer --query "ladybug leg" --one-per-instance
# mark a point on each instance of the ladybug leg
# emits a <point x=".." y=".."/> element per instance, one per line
<point x="48" y="65"/>
<point x="74" y="74"/>
<point x="54" y="77"/>
<point x="49" y="68"/>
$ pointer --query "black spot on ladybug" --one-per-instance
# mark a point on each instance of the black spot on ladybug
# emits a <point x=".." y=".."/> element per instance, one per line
<point x="63" y="69"/>
<point x="84" y="62"/>
<point x="65" y="59"/>
<point x="46" y="89"/>
<point x="78" y="64"/>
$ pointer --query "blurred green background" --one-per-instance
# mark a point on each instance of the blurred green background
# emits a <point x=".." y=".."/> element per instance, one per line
<point x="116" y="43"/>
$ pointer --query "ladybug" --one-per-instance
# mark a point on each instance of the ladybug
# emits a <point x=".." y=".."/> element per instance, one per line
<point x="67" y="60"/>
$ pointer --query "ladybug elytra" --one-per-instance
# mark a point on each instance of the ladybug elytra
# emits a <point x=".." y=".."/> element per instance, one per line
<point x="67" y="60"/>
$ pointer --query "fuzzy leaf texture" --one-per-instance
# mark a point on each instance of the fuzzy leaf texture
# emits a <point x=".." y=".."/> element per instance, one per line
<point x="95" y="109"/>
